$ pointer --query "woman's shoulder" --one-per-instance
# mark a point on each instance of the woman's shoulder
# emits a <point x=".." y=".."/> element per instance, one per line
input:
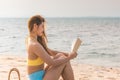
<point x="34" y="44"/>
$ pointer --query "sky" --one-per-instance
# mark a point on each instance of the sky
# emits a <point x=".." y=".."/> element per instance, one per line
<point x="60" y="8"/>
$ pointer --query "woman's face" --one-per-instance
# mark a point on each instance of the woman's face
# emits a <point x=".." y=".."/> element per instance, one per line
<point x="40" y="29"/>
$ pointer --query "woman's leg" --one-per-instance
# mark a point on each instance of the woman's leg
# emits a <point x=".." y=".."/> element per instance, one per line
<point x="53" y="73"/>
<point x="67" y="73"/>
<point x="65" y="70"/>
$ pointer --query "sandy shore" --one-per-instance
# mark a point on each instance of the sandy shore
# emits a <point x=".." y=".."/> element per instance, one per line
<point x="81" y="71"/>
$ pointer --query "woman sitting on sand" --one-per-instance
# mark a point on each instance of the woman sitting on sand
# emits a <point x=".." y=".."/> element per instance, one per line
<point x="39" y="54"/>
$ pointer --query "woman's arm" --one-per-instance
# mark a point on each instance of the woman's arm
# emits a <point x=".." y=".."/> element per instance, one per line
<point x="39" y="51"/>
<point x="54" y="52"/>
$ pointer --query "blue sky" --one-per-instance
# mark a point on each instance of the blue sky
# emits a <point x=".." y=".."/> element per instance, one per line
<point x="60" y="8"/>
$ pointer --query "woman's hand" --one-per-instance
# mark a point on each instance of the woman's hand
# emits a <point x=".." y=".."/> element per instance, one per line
<point x="72" y="55"/>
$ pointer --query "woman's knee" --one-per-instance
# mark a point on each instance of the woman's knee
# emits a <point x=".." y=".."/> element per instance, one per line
<point x="59" y="55"/>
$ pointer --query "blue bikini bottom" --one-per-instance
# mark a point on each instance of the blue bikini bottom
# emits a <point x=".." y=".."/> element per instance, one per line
<point x="38" y="75"/>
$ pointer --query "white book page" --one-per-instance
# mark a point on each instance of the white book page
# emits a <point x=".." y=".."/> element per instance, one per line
<point x="75" y="45"/>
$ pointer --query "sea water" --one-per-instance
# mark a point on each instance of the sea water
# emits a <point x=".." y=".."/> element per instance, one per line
<point x="100" y="38"/>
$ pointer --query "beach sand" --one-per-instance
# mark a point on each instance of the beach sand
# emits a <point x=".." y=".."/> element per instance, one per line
<point x="81" y="71"/>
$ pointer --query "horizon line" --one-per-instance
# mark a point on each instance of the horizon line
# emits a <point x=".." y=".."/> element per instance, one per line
<point x="71" y="17"/>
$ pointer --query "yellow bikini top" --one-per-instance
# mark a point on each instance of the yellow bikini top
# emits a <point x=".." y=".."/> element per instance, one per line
<point x="35" y="62"/>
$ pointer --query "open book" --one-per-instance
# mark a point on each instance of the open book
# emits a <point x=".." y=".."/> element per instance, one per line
<point x="75" y="45"/>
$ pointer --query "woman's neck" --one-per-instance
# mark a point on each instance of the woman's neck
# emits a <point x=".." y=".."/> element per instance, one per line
<point x="33" y="36"/>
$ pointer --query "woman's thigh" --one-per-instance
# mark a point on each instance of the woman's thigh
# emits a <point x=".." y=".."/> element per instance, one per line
<point x="53" y="73"/>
